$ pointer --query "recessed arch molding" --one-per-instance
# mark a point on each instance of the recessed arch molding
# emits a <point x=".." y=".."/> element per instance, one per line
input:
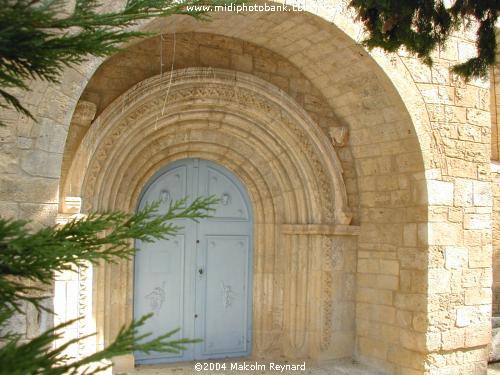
<point x="293" y="176"/>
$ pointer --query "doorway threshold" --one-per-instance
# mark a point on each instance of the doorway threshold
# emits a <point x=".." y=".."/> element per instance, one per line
<point x="248" y="365"/>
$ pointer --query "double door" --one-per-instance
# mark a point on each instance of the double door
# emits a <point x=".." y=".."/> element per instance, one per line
<point x="200" y="279"/>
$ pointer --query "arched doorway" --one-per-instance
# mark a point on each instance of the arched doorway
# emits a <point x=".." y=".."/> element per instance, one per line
<point x="199" y="280"/>
<point x="291" y="172"/>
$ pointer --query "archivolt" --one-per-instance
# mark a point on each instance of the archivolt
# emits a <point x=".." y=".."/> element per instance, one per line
<point x="259" y="131"/>
<point x="286" y="162"/>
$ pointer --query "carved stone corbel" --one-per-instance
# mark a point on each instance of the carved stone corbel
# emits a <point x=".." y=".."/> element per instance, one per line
<point x="84" y="113"/>
<point x="339" y="135"/>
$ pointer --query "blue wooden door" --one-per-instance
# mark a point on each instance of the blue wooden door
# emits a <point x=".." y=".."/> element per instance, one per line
<point x="200" y="280"/>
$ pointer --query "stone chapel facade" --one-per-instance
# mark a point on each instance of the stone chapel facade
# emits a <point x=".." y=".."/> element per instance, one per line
<point x="373" y="181"/>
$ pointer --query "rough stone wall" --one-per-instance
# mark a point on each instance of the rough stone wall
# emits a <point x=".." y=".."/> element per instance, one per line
<point x="143" y="60"/>
<point x="459" y="228"/>
<point x="424" y="265"/>
<point x="495" y="169"/>
<point x="436" y="320"/>
<point x="495" y="176"/>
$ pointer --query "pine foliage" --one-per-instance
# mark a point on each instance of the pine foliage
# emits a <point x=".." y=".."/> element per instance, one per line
<point x="422" y="26"/>
<point x="39" y="38"/>
<point x="28" y="259"/>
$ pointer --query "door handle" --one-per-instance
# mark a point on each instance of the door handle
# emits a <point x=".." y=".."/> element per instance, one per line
<point x="200" y="271"/>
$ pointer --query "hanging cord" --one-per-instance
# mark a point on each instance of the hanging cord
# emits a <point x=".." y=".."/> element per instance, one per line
<point x="161" y="54"/>
<point x="162" y="38"/>
<point x="171" y="75"/>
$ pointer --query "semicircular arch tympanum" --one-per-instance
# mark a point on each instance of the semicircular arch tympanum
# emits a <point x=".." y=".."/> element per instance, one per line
<point x="286" y="162"/>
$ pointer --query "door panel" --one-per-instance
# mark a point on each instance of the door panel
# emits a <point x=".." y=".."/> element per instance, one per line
<point x="232" y="205"/>
<point x="169" y="187"/>
<point x="225" y="302"/>
<point x="200" y="279"/>
<point x="160" y="289"/>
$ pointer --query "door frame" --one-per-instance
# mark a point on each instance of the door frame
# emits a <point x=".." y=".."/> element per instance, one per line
<point x="244" y="192"/>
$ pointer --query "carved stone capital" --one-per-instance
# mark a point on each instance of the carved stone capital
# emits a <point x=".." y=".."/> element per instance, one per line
<point x="339" y="135"/>
<point x="84" y="113"/>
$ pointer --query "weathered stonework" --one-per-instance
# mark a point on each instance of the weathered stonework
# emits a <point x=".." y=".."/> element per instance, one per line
<point x="407" y="164"/>
<point x="245" y="124"/>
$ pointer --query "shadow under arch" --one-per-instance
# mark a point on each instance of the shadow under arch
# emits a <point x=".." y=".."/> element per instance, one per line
<point x="288" y="165"/>
<point x="390" y="141"/>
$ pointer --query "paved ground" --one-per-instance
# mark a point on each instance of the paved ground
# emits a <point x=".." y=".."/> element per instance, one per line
<point x="494" y="369"/>
<point x="339" y="368"/>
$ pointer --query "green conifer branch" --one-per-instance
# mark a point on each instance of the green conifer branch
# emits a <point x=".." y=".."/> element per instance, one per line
<point x="38" y="40"/>
<point x="98" y="237"/>
<point x="38" y="356"/>
<point x="422" y="26"/>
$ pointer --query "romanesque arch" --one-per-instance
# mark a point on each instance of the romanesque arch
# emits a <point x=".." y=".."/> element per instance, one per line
<point x="420" y="272"/>
<point x="287" y="163"/>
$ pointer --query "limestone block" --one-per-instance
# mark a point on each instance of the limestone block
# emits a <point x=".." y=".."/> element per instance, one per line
<point x="455" y="215"/>
<point x="49" y="137"/>
<point x="410" y="234"/>
<point x="265" y="64"/>
<point x="419" y="72"/>
<point x="480" y="256"/>
<point x="465" y="316"/>
<point x="439" y="281"/>
<point x="464" y="168"/>
<point x="387" y="282"/>
<point x="456" y="257"/>
<point x="479" y="334"/>
<point x="408" y="358"/>
<point x="25" y="189"/>
<point x="453" y="339"/>
<point x="450" y="50"/>
<point x="38" y="321"/>
<point x="214" y="57"/>
<point x="440" y="192"/>
<point x="413" y="340"/>
<point x="477" y="221"/>
<point x="482" y="193"/>
<point x="444" y="233"/>
<point x="413" y="302"/>
<point x="54" y="105"/>
<point x="468" y="132"/>
<point x="42" y="214"/>
<point x="389" y="267"/>
<point x="300" y="85"/>
<point x="466" y="96"/>
<point x="24" y="143"/>
<point x="370" y="295"/>
<point x="437" y="94"/>
<point x="242" y="63"/>
<point x="41" y="163"/>
<point x="17" y="323"/>
<point x="9" y="210"/>
<point x="8" y="162"/>
<point x="478" y="117"/>
<point x="440" y="74"/>
<point x="476" y="296"/>
<point x="433" y="341"/>
<point x="372" y="347"/>
<point x="494" y="354"/>
<point x="446" y="113"/>
<point x="466" y="51"/>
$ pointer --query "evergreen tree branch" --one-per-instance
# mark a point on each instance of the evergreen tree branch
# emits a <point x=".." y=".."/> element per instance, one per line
<point x="98" y="237"/>
<point x="36" y="256"/>
<point x="38" y="357"/>
<point x="38" y="41"/>
<point x="422" y="26"/>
